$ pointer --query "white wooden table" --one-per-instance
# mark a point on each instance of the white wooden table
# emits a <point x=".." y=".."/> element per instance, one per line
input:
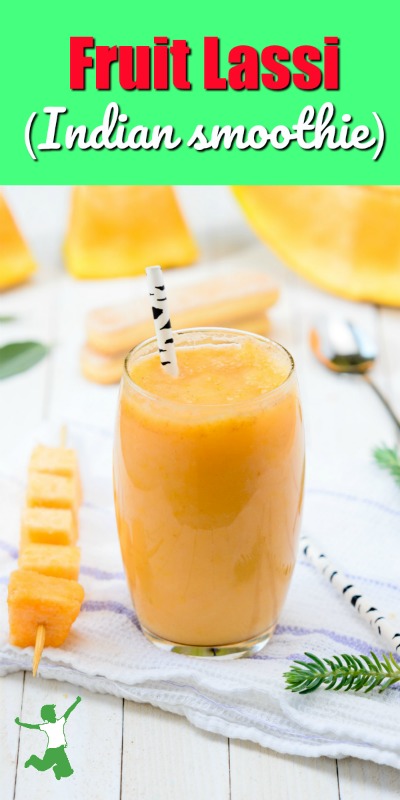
<point x="120" y="749"/>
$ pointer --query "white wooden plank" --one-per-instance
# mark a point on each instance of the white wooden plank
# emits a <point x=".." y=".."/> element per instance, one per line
<point x="363" y="780"/>
<point x="22" y="404"/>
<point x="257" y="774"/>
<point x="22" y="396"/>
<point x="93" y="733"/>
<point x="165" y="758"/>
<point x="390" y="339"/>
<point x="11" y="688"/>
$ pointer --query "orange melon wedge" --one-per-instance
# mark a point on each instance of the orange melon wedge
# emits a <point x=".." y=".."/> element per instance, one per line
<point x="16" y="261"/>
<point x="345" y="239"/>
<point x="116" y="231"/>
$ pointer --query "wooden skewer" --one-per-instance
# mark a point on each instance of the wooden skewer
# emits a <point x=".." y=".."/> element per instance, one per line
<point x="63" y="436"/>
<point x="39" y="645"/>
<point x="41" y="631"/>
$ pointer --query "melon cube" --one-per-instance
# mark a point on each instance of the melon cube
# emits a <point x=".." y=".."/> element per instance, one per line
<point x="35" y="599"/>
<point x="52" y="491"/>
<point x="56" y="461"/>
<point x="48" y="526"/>
<point x="51" y="559"/>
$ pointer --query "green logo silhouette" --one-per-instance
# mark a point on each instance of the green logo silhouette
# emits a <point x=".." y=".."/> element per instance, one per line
<point x="55" y="755"/>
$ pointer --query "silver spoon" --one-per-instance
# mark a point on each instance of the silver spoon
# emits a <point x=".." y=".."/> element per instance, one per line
<point x="344" y="347"/>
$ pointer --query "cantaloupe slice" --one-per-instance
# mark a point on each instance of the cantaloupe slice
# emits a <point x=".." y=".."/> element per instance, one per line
<point x="51" y="559"/>
<point x="345" y="239"/>
<point x="34" y="600"/>
<point x="16" y="261"/>
<point x="48" y="526"/>
<point x="117" y="231"/>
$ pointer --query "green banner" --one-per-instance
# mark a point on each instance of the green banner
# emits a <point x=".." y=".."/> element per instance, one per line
<point x="205" y="93"/>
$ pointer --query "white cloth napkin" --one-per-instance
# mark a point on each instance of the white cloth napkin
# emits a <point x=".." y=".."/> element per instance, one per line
<point x="351" y="510"/>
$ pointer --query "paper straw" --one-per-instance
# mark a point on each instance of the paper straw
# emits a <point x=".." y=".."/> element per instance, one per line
<point x="162" y="322"/>
<point x="353" y="595"/>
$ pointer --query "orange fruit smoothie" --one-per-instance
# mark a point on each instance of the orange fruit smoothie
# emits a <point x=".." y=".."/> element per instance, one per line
<point x="208" y="476"/>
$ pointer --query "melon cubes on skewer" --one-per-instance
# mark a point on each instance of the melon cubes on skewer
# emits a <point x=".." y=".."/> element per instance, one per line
<point x="34" y="600"/>
<point x="44" y="597"/>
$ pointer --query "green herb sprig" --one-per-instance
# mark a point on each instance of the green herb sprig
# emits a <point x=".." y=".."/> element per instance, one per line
<point x="388" y="458"/>
<point x="343" y="672"/>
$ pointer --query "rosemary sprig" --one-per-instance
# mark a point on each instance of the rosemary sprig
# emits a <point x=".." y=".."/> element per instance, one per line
<point x="343" y="672"/>
<point x="388" y="458"/>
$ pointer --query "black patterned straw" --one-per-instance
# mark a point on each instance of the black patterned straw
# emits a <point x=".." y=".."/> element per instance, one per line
<point x="353" y="595"/>
<point x="162" y="321"/>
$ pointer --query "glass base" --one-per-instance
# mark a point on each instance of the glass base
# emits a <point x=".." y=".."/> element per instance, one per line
<point x="227" y="651"/>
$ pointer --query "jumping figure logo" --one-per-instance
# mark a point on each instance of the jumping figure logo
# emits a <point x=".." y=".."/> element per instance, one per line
<point x="55" y="755"/>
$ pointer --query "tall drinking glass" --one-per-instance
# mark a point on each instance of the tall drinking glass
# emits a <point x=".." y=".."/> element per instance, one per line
<point x="208" y="476"/>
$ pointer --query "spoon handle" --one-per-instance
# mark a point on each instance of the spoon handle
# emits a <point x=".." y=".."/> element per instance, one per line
<point x="383" y="399"/>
